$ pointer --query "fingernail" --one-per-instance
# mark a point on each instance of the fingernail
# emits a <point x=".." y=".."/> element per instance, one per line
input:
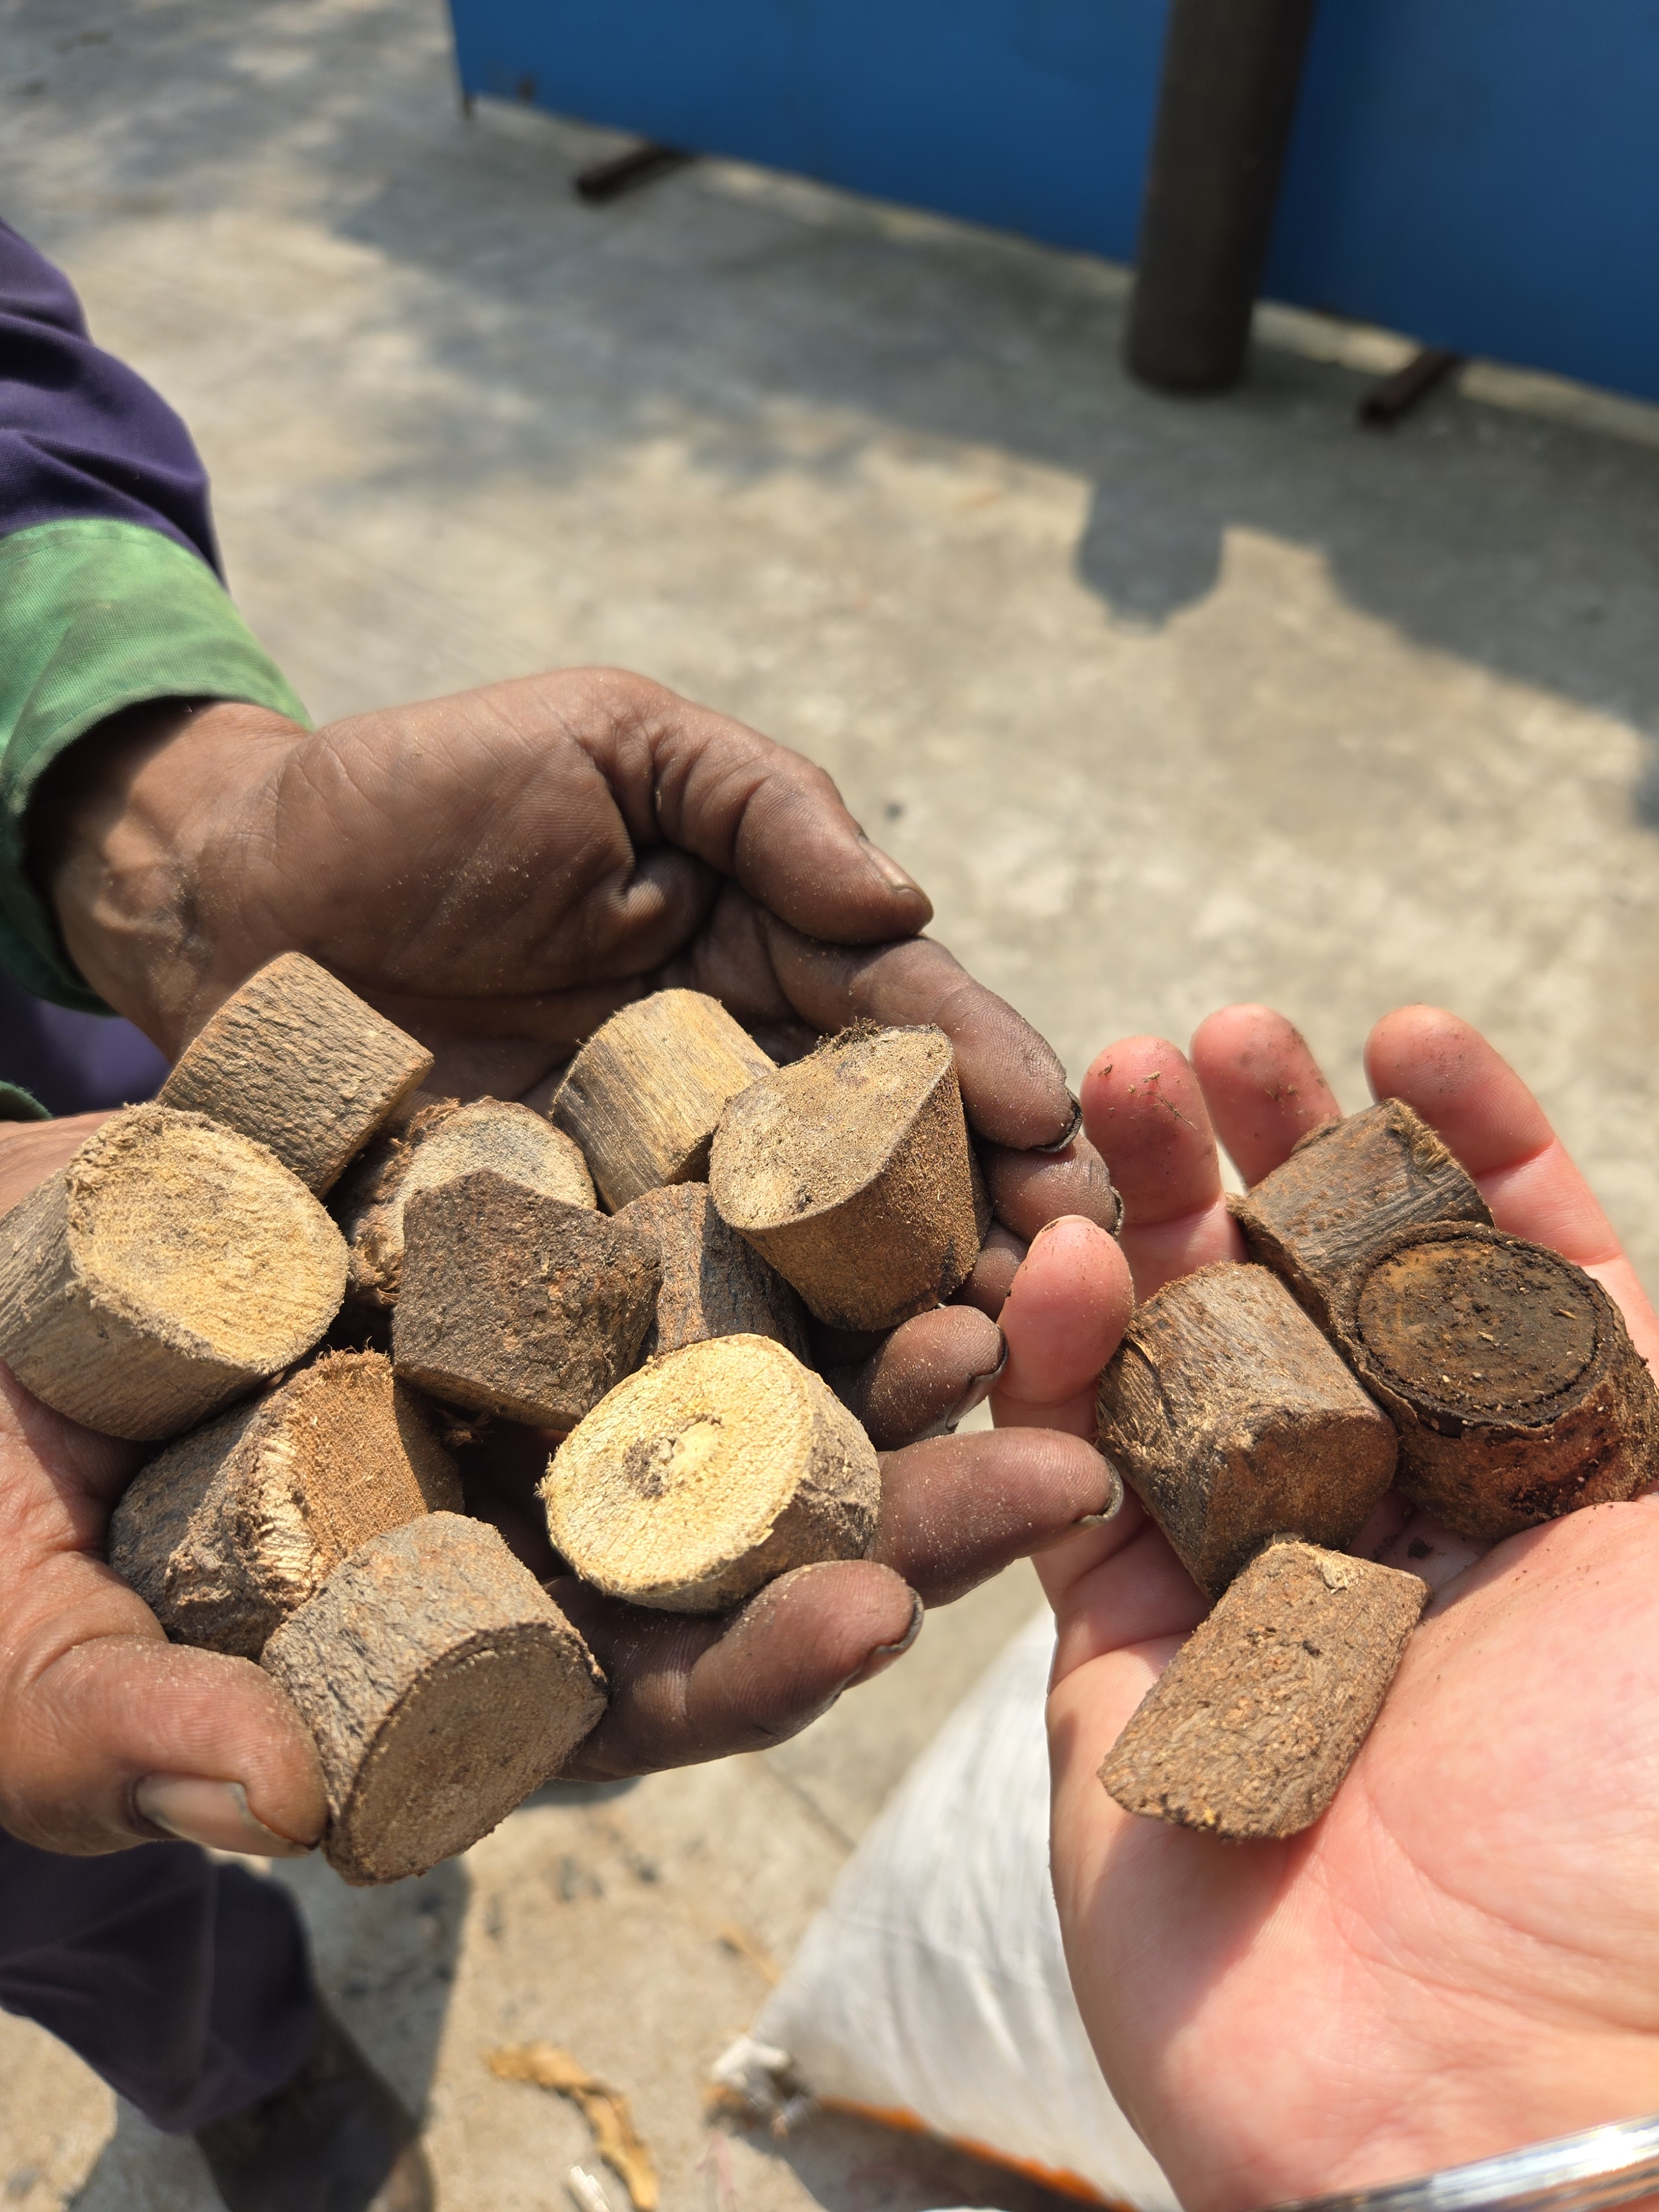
<point x="890" y="871"/>
<point x="1071" y="1129"/>
<point x="1113" y="1506"/>
<point x="884" y="1654"/>
<point x="215" y="1813"/>
<point x="979" y="1388"/>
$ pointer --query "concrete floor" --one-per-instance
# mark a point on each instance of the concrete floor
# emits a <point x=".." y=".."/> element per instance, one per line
<point x="1166" y="703"/>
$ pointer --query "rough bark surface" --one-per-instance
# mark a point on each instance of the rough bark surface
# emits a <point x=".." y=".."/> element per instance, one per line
<point x="442" y="1685"/>
<point x="237" y="1525"/>
<point x="1233" y="1420"/>
<point x="1249" y="1729"/>
<point x="517" y="1304"/>
<point x="171" y="1267"/>
<point x="714" y="1284"/>
<point x="851" y="1171"/>
<point x="1345" y="1189"/>
<point x="442" y="1140"/>
<point x="1517" y="1391"/>
<point x="297" y="1061"/>
<point x="708" y="1474"/>
<point x="642" y="1097"/>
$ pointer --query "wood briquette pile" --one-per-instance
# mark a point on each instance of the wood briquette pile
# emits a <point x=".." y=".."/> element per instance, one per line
<point x="1384" y="1334"/>
<point x="632" y="1271"/>
<point x="635" y="1274"/>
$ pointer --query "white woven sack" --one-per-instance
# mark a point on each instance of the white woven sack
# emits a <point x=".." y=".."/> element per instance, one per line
<point x="932" y="1986"/>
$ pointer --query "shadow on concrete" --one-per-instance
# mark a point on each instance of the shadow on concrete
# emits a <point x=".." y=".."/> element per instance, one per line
<point x="709" y="309"/>
<point x="1525" y="547"/>
<point x="387" y="1959"/>
<point x="140" y="2170"/>
<point x="1644" y="793"/>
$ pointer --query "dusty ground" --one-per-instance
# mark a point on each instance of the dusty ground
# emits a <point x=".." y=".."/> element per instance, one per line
<point x="1166" y="704"/>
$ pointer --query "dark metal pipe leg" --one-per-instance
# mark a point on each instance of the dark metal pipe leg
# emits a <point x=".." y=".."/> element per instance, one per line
<point x="1390" y="402"/>
<point x="1225" y="104"/>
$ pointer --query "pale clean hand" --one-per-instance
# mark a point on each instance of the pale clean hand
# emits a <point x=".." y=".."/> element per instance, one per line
<point x="1463" y="1954"/>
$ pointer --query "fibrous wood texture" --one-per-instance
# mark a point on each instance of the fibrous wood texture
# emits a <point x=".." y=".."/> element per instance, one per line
<point x="1510" y="1374"/>
<point x="442" y="1140"/>
<point x="643" y="1095"/>
<point x="235" y="1526"/>
<point x="442" y="1685"/>
<point x="518" y="1304"/>
<point x="851" y="1171"/>
<point x="1233" y="1420"/>
<point x="169" y="1268"/>
<point x="708" y="1474"/>
<point x="1345" y="1189"/>
<point x="299" y="1063"/>
<point x="1251" y="1727"/>
<point x="714" y="1284"/>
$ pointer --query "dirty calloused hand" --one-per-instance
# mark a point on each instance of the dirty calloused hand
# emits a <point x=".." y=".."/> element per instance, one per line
<point x="498" y="872"/>
<point x="109" y="1735"/>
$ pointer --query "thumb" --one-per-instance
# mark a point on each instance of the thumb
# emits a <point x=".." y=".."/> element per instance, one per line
<point x="1064" y="1318"/>
<point x="127" y="1737"/>
<point x="109" y="1735"/>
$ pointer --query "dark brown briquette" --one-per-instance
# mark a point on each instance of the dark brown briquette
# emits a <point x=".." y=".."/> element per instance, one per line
<point x="518" y="1304"/>
<point x="442" y="1683"/>
<point x="1345" y="1187"/>
<point x="1233" y="1420"/>
<point x="714" y="1284"/>
<point x="299" y="1063"/>
<point x="443" y="1139"/>
<point x="1249" y="1729"/>
<point x="1510" y="1374"/>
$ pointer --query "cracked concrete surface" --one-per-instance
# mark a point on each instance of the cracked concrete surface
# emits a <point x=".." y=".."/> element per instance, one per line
<point x="1166" y="703"/>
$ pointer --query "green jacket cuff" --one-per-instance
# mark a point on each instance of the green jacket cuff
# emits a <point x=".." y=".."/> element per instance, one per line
<point x="96" y="615"/>
<point x="17" y="1104"/>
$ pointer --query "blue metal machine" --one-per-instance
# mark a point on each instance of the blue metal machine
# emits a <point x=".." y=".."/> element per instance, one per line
<point x="1482" y="174"/>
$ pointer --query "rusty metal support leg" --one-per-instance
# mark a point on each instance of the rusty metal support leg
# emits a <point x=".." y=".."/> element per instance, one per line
<point x="1225" y="104"/>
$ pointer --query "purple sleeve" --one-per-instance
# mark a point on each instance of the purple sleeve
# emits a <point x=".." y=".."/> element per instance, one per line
<point x="81" y="436"/>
